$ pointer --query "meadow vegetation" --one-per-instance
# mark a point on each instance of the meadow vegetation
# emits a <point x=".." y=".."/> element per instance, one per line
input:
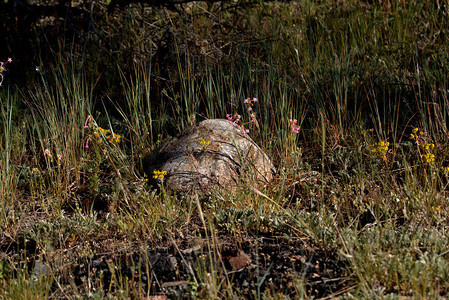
<point x="352" y="106"/>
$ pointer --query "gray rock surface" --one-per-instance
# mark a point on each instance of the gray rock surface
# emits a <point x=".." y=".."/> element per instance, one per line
<point x="195" y="165"/>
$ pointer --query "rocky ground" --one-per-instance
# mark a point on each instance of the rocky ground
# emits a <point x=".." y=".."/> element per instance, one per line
<point x="175" y="266"/>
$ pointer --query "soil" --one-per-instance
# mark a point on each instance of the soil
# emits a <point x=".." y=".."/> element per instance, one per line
<point x="174" y="266"/>
<point x="258" y="264"/>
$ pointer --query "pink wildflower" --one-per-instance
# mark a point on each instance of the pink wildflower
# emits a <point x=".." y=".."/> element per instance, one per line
<point x="87" y="143"/>
<point x="254" y="120"/>
<point x="2" y="64"/>
<point x="47" y="153"/>
<point x="235" y="118"/>
<point x="250" y="102"/>
<point x="294" y="126"/>
<point x="244" y="130"/>
<point x="87" y="122"/>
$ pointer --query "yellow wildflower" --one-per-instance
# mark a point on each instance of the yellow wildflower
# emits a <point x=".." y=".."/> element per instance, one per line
<point x="415" y="134"/>
<point x="159" y="174"/>
<point x="429" y="157"/>
<point x="114" y="138"/>
<point x="203" y="142"/>
<point x="108" y="134"/>
<point x="428" y="147"/>
<point x="381" y="148"/>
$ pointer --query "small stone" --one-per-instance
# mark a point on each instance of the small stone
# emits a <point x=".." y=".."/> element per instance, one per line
<point x="240" y="260"/>
<point x="100" y="264"/>
<point x="173" y="262"/>
<point x="214" y="154"/>
<point x="40" y="269"/>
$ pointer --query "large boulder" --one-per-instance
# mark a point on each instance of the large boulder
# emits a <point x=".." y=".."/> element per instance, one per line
<point x="213" y="154"/>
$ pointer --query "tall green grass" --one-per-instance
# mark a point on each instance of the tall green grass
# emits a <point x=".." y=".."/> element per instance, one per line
<point x="59" y="105"/>
<point x="8" y="178"/>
